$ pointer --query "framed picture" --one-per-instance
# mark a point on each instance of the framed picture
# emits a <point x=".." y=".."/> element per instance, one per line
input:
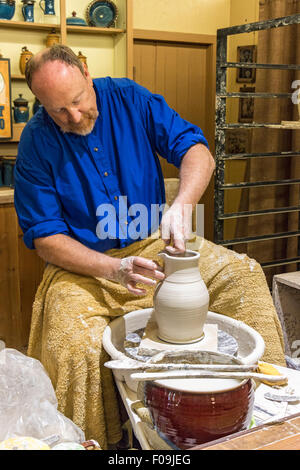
<point x="238" y="141"/>
<point x="5" y="100"/>
<point x="246" y="54"/>
<point x="246" y="106"/>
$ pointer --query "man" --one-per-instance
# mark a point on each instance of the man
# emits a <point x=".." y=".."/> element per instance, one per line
<point x="78" y="113"/>
<point x="91" y="150"/>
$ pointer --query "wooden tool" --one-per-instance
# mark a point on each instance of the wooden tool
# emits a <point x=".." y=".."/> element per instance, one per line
<point x="205" y="374"/>
<point x="142" y="366"/>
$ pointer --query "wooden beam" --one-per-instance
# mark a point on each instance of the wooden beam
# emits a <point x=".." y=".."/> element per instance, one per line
<point x="63" y="24"/>
<point x="129" y="39"/>
<point x="151" y="35"/>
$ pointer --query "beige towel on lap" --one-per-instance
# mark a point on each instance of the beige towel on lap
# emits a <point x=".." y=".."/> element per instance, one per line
<point x="71" y="311"/>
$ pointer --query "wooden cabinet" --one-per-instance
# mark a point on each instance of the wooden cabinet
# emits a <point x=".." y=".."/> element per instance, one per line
<point x="20" y="273"/>
<point x="109" y="53"/>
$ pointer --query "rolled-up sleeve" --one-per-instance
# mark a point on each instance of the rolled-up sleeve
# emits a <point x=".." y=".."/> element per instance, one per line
<point x="36" y="201"/>
<point x="172" y="136"/>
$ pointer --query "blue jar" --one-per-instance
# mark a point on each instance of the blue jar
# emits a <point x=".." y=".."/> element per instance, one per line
<point x="21" y="109"/>
<point x="36" y="106"/>
<point x="49" y="7"/>
<point x="8" y="172"/>
<point x="7" y="9"/>
<point x="28" y="10"/>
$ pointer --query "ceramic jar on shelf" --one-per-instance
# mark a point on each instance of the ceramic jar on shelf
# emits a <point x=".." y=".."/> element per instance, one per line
<point x="28" y="10"/>
<point x="24" y="58"/>
<point x="7" y="9"/>
<point x="21" y="109"/>
<point x="36" y="106"/>
<point x="48" y="8"/>
<point x="52" y="38"/>
<point x="7" y="177"/>
<point x="82" y="58"/>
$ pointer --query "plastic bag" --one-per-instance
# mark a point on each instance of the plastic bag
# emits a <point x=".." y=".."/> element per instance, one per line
<point x="28" y="405"/>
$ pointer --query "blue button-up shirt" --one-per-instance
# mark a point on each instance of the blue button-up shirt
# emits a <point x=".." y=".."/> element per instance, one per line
<point x="77" y="185"/>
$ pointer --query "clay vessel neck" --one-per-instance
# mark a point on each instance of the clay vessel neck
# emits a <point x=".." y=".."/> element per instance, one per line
<point x="178" y="267"/>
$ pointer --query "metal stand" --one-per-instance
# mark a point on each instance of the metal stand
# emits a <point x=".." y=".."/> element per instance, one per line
<point x="221" y="126"/>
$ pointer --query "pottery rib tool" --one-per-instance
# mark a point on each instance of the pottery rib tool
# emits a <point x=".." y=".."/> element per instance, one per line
<point x="136" y="365"/>
<point x="188" y="374"/>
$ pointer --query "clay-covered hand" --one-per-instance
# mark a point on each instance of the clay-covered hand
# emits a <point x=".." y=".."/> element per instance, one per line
<point x="135" y="269"/>
<point x="176" y="227"/>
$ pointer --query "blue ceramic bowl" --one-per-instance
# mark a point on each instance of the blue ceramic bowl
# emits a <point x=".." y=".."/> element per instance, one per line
<point x="7" y="9"/>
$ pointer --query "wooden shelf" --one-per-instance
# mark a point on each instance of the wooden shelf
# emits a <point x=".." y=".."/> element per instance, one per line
<point x="94" y="30"/>
<point x="17" y="77"/>
<point x="6" y="195"/>
<point x="70" y="28"/>
<point x="28" y="25"/>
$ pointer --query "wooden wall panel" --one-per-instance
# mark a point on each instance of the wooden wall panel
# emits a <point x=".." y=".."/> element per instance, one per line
<point x="10" y="328"/>
<point x="20" y="273"/>
<point x="184" y="73"/>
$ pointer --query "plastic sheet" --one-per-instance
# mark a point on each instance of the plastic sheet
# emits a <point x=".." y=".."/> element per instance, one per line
<point x="28" y="405"/>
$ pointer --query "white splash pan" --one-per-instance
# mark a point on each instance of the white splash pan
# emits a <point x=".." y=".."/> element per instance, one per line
<point x="251" y="345"/>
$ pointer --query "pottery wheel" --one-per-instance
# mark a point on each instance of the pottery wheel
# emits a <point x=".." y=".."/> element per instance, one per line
<point x="226" y="344"/>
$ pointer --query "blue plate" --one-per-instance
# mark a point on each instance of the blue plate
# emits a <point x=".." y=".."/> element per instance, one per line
<point x="102" y="13"/>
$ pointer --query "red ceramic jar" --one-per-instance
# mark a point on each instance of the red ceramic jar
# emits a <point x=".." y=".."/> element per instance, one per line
<point x="188" y="418"/>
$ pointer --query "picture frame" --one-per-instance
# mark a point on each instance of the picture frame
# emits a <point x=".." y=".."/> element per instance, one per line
<point x="246" y="54"/>
<point x="246" y="106"/>
<point x="238" y="141"/>
<point x="6" y="128"/>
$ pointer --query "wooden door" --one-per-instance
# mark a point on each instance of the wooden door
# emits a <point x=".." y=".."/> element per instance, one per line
<point x="184" y="74"/>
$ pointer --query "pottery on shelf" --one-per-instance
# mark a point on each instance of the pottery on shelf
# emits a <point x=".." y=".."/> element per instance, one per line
<point x="24" y="58"/>
<point x="82" y="58"/>
<point x="49" y="7"/>
<point x="7" y="9"/>
<point x="181" y="300"/>
<point x="36" y="106"/>
<point x="28" y="10"/>
<point x="75" y="21"/>
<point x="21" y="109"/>
<point x="52" y="38"/>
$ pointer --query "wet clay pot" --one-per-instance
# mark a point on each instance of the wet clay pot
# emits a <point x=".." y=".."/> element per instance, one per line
<point x="181" y="300"/>
<point x="213" y="410"/>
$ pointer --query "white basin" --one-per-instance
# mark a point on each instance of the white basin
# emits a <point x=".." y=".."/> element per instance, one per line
<point x="251" y="345"/>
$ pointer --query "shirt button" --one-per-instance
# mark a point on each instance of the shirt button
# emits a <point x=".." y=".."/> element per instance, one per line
<point x="96" y="149"/>
<point x="106" y="174"/>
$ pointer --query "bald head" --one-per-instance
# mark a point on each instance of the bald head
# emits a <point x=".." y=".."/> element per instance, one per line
<point x="65" y="90"/>
<point x="58" y="52"/>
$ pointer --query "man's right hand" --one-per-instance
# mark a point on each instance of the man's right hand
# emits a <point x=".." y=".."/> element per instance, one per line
<point x="136" y="269"/>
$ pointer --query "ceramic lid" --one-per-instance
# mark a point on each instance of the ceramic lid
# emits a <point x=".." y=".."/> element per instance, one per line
<point x="201" y="385"/>
<point x="20" y="101"/>
<point x="74" y="20"/>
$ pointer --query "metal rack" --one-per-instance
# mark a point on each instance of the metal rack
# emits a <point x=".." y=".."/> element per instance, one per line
<point x="222" y="126"/>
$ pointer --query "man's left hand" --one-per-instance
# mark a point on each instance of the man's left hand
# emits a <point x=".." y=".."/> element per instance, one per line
<point x="176" y="227"/>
